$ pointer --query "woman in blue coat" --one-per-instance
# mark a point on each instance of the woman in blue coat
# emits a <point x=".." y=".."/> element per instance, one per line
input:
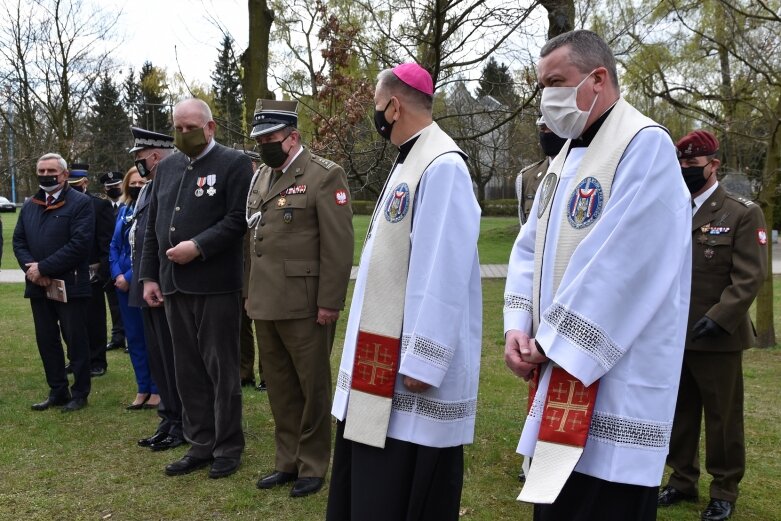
<point x="122" y="275"/>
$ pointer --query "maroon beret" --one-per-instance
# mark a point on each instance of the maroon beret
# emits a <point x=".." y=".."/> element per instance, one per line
<point x="697" y="143"/>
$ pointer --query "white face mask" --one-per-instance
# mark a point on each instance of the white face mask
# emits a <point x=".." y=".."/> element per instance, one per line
<point x="559" y="107"/>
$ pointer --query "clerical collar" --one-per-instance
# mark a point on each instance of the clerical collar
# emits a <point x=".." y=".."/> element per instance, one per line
<point x="588" y="135"/>
<point x="405" y="148"/>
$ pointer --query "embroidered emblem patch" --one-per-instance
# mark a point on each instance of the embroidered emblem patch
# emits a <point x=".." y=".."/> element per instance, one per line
<point x="341" y="197"/>
<point x="547" y="188"/>
<point x="397" y="203"/>
<point x="585" y="203"/>
<point x="761" y="236"/>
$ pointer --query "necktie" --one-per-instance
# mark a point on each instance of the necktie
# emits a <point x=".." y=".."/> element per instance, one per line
<point x="49" y="200"/>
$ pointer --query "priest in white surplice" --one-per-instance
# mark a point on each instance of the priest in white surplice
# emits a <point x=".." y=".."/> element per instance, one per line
<point x="597" y="296"/>
<point x="407" y="388"/>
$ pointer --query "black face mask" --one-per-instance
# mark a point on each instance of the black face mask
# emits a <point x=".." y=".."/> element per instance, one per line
<point x="114" y="193"/>
<point x="47" y="181"/>
<point x="694" y="177"/>
<point x="383" y="126"/>
<point x="133" y="191"/>
<point x="143" y="171"/>
<point x="551" y="143"/>
<point x="272" y="153"/>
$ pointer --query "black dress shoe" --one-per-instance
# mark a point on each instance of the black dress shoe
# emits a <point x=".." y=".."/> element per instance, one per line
<point x="276" y="478"/>
<point x="670" y="495"/>
<point x="186" y="465"/>
<point x="154" y="438"/>
<point x="223" y="467"/>
<point x="75" y="404"/>
<point x="305" y="486"/>
<point x="97" y="371"/>
<point x="169" y="442"/>
<point x="718" y="510"/>
<point x="50" y="402"/>
<point x="248" y="382"/>
<point x="261" y="386"/>
<point x="115" y="345"/>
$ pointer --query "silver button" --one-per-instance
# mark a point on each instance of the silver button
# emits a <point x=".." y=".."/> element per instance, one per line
<point x="173" y="228"/>
<point x="177" y="208"/>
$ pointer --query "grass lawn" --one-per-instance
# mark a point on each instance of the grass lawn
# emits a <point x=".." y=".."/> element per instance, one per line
<point x="86" y="465"/>
<point x="497" y="235"/>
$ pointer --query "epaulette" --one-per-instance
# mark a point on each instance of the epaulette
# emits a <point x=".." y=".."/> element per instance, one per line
<point x="325" y="163"/>
<point x="533" y="165"/>
<point x="742" y="200"/>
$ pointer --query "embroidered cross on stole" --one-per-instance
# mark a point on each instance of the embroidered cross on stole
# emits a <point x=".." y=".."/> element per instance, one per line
<point x="377" y="353"/>
<point x="569" y="404"/>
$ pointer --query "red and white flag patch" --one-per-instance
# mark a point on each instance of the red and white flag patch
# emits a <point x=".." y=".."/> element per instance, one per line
<point x="341" y="197"/>
<point x="761" y="236"/>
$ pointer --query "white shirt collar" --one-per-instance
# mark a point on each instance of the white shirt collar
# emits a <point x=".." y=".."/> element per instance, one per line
<point x="700" y="199"/>
<point x="206" y="150"/>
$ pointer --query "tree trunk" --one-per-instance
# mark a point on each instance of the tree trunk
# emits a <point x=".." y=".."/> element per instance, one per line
<point x="254" y="59"/>
<point x="766" y="333"/>
<point x="561" y="16"/>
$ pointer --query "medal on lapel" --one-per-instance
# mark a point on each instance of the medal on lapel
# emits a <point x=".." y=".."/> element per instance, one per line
<point x="709" y="253"/>
<point x="211" y="179"/>
<point x="281" y="202"/>
<point x="199" y="191"/>
<point x="287" y="217"/>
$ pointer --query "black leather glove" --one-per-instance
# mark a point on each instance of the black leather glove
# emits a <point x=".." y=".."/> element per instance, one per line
<point x="706" y="327"/>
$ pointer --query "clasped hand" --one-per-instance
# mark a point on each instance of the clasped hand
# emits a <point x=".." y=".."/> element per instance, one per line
<point x="521" y="354"/>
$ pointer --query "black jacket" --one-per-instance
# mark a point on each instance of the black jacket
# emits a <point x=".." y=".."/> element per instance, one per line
<point x="58" y="238"/>
<point x="135" y="296"/>
<point x="104" y="230"/>
<point x="215" y="222"/>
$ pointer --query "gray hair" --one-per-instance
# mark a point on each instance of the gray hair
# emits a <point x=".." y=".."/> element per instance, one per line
<point x="201" y="105"/>
<point x="388" y="81"/>
<point x="587" y="51"/>
<point x="63" y="164"/>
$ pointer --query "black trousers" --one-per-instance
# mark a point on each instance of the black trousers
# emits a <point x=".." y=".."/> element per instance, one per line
<point x="49" y="318"/>
<point x="586" y="498"/>
<point x="205" y="335"/>
<point x="160" y="351"/>
<point x="117" y="327"/>
<point x="402" y="482"/>
<point x="96" y="326"/>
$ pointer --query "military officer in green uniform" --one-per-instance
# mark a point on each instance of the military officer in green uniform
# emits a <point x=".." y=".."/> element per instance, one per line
<point x="729" y="259"/>
<point x="529" y="178"/>
<point x="301" y="251"/>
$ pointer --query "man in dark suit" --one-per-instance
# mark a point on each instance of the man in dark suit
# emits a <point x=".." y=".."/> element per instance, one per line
<point x="149" y="149"/>
<point x="112" y="186"/>
<point x="729" y="259"/>
<point x="192" y="264"/>
<point x="52" y="242"/>
<point x="301" y="252"/>
<point x="99" y="268"/>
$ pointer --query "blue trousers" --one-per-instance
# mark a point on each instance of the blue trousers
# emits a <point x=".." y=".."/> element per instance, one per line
<point x="136" y="344"/>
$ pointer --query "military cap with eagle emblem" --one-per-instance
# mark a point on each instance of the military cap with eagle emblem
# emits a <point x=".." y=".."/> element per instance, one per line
<point x="111" y="178"/>
<point x="143" y="138"/>
<point x="272" y="115"/>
